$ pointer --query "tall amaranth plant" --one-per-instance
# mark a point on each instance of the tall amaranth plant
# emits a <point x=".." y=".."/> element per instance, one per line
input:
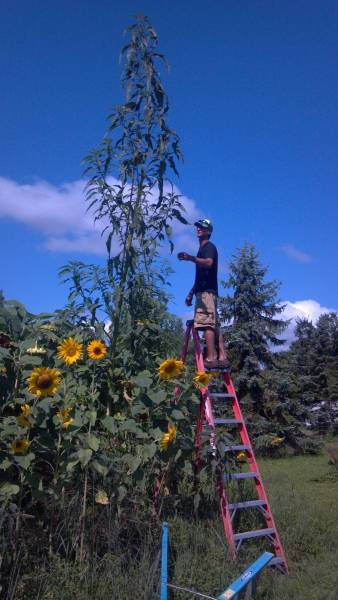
<point x="128" y="169"/>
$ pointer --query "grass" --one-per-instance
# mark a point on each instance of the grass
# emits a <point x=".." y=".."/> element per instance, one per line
<point x="304" y="496"/>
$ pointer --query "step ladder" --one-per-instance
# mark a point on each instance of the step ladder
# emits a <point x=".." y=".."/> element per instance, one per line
<point x="213" y="403"/>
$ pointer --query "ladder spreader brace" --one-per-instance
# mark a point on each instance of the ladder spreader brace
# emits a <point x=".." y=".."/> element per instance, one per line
<point x="229" y="509"/>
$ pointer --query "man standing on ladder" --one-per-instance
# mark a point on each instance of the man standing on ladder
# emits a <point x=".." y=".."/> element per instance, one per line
<point x="205" y="289"/>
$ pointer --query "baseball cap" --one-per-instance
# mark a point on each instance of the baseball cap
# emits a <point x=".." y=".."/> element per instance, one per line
<point x="204" y="223"/>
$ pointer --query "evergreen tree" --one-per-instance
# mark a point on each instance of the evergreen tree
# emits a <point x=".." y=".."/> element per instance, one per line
<point x="251" y="317"/>
<point x="314" y="360"/>
<point x="303" y="359"/>
<point x="266" y="389"/>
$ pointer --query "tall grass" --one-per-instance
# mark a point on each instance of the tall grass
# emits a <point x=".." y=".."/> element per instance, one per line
<point x="304" y="498"/>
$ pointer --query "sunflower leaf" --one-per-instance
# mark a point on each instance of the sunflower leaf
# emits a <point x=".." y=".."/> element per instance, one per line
<point x="93" y="442"/>
<point x="84" y="455"/>
<point x="143" y="379"/>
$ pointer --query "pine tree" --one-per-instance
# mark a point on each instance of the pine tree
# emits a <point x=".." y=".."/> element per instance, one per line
<point x="250" y="314"/>
<point x="266" y="389"/>
<point x="314" y="356"/>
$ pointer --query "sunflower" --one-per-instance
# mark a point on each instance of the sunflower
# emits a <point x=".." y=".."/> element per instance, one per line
<point x="101" y="497"/>
<point x="22" y="419"/>
<point x="202" y="379"/>
<point x="168" y="437"/>
<point x="64" y="417"/>
<point x="20" y="446"/>
<point x="96" y="350"/>
<point x="43" y="381"/>
<point x="170" y="368"/>
<point x="241" y="456"/>
<point x="70" y="351"/>
<point x="277" y="441"/>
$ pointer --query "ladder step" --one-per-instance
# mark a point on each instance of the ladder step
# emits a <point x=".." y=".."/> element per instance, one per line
<point x="220" y="395"/>
<point x="236" y="448"/>
<point x="227" y="421"/>
<point x="242" y="475"/>
<point x="248" y="504"/>
<point x="252" y="534"/>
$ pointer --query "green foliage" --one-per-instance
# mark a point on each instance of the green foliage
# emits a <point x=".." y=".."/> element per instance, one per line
<point x="266" y="389"/>
<point x="99" y="435"/>
<point x="313" y="363"/>
<point x="139" y="150"/>
<point x="304" y="500"/>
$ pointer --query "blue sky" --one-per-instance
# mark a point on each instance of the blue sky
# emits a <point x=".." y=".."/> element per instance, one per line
<point x="253" y="96"/>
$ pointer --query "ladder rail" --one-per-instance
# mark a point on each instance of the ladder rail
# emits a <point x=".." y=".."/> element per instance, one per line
<point x="206" y="413"/>
<point x="253" y="466"/>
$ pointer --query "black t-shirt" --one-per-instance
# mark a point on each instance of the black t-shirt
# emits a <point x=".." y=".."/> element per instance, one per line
<point x="206" y="277"/>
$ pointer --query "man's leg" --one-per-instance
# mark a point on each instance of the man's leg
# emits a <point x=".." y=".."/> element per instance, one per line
<point x="210" y="344"/>
<point x="222" y="355"/>
<point x="221" y="350"/>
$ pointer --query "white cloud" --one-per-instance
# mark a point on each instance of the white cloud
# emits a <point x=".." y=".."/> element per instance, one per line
<point x="309" y="309"/>
<point x="59" y="214"/>
<point x="295" y="254"/>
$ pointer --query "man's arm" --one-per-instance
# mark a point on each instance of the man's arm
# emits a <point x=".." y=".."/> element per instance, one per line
<point x="201" y="262"/>
<point x="190" y="296"/>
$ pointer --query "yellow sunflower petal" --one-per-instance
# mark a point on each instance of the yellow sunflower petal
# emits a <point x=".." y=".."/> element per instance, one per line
<point x="64" y="416"/>
<point x="170" y="368"/>
<point x="241" y="456"/>
<point x="168" y="437"/>
<point x="165" y="441"/>
<point x="43" y="381"/>
<point x="202" y="379"/>
<point x="23" y="421"/>
<point x="70" y="351"/>
<point x="96" y="350"/>
<point x="26" y="411"/>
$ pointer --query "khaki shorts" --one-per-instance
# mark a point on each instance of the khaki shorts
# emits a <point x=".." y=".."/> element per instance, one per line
<point x="206" y="310"/>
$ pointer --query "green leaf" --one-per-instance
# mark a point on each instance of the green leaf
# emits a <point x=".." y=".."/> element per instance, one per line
<point x="9" y="489"/>
<point x="99" y="467"/>
<point x="5" y="464"/>
<point x="91" y="416"/>
<point x="157" y="397"/>
<point x="122" y="492"/>
<point x="133" y="462"/>
<point x="25" y="461"/>
<point x="84" y="455"/>
<point x="131" y="426"/>
<point x="149" y="450"/>
<point x="177" y="414"/>
<point x="93" y="442"/>
<point x="109" y="424"/>
<point x="71" y="464"/>
<point x="143" y="379"/>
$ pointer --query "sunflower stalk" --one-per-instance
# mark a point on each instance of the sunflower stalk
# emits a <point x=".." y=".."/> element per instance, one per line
<point x="83" y="516"/>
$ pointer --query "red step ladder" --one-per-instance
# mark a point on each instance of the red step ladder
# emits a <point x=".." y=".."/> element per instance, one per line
<point x="211" y="403"/>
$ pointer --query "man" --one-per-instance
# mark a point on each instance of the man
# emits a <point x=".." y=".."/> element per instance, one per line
<point x="205" y="289"/>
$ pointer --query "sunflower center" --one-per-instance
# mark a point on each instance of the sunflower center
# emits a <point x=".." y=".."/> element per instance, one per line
<point x="97" y="350"/>
<point x="170" y="367"/>
<point x="44" y="381"/>
<point x="71" y="351"/>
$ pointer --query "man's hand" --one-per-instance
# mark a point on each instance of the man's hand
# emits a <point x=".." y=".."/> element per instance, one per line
<point x="188" y="299"/>
<point x="185" y="256"/>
